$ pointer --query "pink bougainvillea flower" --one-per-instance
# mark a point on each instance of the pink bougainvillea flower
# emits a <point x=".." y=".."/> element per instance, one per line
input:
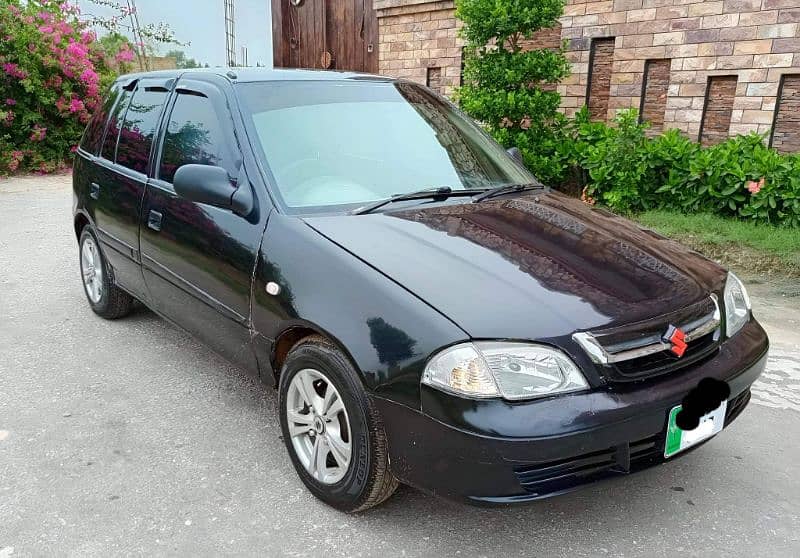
<point x="76" y="105"/>
<point x="39" y="133"/>
<point x="89" y="76"/>
<point x="11" y="102"/>
<point x="73" y="149"/>
<point x="46" y="29"/>
<point x="14" y="70"/>
<point x="77" y="50"/>
<point x="125" y="55"/>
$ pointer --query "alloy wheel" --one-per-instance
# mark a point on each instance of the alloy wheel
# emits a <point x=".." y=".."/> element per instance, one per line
<point x="92" y="270"/>
<point x="319" y="426"/>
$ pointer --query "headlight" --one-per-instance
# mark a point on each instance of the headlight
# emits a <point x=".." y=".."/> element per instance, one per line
<point x="499" y="369"/>
<point x="737" y="305"/>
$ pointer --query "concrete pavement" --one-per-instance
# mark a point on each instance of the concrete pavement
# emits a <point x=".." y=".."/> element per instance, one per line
<point x="129" y="437"/>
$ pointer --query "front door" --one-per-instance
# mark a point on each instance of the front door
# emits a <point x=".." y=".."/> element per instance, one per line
<point x="198" y="260"/>
<point x="325" y="34"/>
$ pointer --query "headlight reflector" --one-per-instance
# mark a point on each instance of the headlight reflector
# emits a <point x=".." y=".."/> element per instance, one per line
<point x="511" y="370"/>
<point x="737" y="305"/>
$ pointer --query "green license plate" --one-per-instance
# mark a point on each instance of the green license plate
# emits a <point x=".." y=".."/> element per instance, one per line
<point x="679" y="440"/>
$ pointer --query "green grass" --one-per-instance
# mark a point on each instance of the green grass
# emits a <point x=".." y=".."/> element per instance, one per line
<point x="748" y="247"/>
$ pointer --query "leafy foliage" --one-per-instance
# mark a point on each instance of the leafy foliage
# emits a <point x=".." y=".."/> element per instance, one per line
<point x="52" y="74"/>
<point x="505" y="87"/>
<point x="183" y="62"/>
<point x="623" y="168"/>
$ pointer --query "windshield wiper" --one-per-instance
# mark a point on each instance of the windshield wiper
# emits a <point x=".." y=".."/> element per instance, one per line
<point x="507" y="189"/>
<point x="436" y="194"/>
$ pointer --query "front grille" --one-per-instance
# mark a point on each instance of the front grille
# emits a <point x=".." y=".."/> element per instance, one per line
<point x="666" y="361"/>
<point x="638" y="351"/>
<point x="554" y="476"/>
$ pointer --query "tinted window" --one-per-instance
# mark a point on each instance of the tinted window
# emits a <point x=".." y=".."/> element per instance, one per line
<point x="114" y="124"/>
<point x="334" y="143"/>
<point x="194" y="136"/>
<point x="94" y="131"/>
<point x="137" y="133"/>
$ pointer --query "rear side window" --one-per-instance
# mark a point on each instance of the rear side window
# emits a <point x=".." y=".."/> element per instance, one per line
<point x="114" y="124"/>
<point x="194" y="136"/>
<point x="141" y="120"/>
<point x="93" y="135"/>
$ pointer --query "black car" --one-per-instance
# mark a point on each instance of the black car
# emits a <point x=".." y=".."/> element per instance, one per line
<point x="429" y="312"/>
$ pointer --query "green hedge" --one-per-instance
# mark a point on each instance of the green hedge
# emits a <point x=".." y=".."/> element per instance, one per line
<point x="620" y="166"/>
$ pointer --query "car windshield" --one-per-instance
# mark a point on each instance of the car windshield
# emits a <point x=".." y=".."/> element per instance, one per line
<point x="337" y="145"/>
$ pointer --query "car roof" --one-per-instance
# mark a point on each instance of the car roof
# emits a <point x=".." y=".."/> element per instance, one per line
<point x="249" y="75"/>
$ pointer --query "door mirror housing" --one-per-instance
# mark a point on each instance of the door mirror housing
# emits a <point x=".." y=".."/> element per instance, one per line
<point x="516" y="154"/>
<point x="211" y="185"/>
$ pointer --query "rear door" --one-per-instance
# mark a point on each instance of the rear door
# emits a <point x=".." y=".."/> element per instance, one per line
<point x="121" y="176"/>
<point x="198" y="260"/>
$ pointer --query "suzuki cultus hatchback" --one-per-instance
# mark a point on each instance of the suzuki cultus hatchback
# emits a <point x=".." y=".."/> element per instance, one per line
<point x="429" y="313"/>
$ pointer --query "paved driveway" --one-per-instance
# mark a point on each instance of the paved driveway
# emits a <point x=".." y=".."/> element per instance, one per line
<point x="129" y="437"/>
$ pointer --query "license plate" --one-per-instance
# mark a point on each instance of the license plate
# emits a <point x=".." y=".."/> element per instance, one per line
<point x="679" y="440"/>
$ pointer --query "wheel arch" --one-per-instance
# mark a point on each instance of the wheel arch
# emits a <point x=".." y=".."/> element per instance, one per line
<point x="79" y="222"/>
<point x="292" y="335"/>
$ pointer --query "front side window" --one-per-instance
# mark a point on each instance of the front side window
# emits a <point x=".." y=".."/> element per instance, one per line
<point x="94" y="131"/>
<point x="194" y="136"/>
<point x="141" y="120"/>
<point x="334" y="145"/>
<point x="114" y="124"/>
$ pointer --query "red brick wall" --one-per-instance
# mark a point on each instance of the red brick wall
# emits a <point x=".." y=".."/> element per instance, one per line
<point x="544" y="38"/>
<point x="600" y="84"/>
<point x="654" y="95"/>
<point x="434" y="79"/>
<point x="719" y="107"/>
<point x="786" y="137"/>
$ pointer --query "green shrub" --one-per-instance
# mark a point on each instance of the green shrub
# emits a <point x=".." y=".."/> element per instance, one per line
<point x="505" y="87"/>
<point x="619" y="166"/>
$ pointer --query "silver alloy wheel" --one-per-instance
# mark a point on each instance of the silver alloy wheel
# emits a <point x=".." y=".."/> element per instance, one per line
<point x="319" y="426"/>
<point x="92" y="270"/>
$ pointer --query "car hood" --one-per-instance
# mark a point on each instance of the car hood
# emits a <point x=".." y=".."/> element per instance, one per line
<point x="535" y="266"/>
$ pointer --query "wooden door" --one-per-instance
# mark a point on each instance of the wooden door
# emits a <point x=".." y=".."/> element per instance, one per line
<point x="325" y="34"/>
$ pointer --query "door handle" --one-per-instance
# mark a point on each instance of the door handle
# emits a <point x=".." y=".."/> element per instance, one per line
<point x="154" y="220"/>
<point x="94" y="193"/>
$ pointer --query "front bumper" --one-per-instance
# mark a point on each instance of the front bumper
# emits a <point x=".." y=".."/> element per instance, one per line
<point x="495" y="451"/>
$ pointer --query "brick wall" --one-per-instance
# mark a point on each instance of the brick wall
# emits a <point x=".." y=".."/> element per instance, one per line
<point x="601" y="60"/>
<point x="416" y="35"/>
<point x="786" y="137"/>
<point x="716" y="118"/>
<point x="654" y="94"/>
<point x="756" y="40"/>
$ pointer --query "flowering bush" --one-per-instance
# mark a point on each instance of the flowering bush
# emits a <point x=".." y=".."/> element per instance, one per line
<point x="52" y="76"/>
<point x="622" y="168"/>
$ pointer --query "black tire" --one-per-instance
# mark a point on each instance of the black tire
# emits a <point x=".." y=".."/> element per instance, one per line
<point x="368" y="480"/>
<point x="113" y="303"/>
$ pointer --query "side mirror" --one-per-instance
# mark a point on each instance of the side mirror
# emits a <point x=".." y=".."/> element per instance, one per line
<point x="516" y="154"/>
<point x="211" y="185"/>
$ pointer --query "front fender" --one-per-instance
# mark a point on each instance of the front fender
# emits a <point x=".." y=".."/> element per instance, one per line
<point x="388" y="332"/>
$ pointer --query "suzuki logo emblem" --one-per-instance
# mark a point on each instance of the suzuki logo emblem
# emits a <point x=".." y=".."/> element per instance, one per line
<point x="677" y="338"/>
